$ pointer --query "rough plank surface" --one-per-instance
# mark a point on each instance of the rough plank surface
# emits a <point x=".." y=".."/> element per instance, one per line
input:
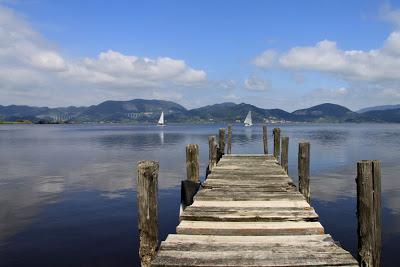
<point x="249" y="213"/>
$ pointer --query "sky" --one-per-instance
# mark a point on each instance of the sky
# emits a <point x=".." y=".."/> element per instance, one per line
<point x="273" y="54"/>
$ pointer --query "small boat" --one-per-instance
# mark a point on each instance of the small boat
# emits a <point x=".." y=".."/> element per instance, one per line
<point x="161" y="120"/>
<point x="248" y="121"/>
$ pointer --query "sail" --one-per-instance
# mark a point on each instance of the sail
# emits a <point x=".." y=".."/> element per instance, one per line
<point x="248" y="121"/>
<point x="161" y="120"/>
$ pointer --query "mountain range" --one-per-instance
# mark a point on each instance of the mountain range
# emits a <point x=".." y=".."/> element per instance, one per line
<point x="148" y="111"/>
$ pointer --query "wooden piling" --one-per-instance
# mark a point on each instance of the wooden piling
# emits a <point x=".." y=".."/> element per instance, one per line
<point x="265" y="139"/>
<point x="147" y="186"/>
<point x="221" y="141"/>
<point x="192" y="163"/>
<point x="304" y="169"/>
<point x="285" y="153"/>
<point x="229" y="146"/>
<point x="212" y="152"/>
<point x="369" y="212"/>
<point x="277" y="142"/>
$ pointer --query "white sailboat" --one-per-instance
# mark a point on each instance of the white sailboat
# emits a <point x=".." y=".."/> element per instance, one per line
<point x="161" y="120"/>
<point x="248" y="121"/>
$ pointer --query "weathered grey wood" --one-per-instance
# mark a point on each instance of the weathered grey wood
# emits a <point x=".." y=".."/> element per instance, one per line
<point x="277" y="143"/>
<point x="304" y="169"/>
<point x="265" y="139"/>
<point x="229" y="147"/>
<point x="252" y="258"/>
<point x="212" y="152"/>
<point x="285" y="153"/>
<point x="221" y="142"/>
<point x="147" y="186"/>
<point x="368" y="212"/>
<point x="249" y="213"/>
<point x="192" y="163"/>
<point x="249" y="228"/>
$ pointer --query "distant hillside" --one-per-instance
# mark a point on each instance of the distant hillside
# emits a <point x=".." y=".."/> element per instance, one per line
<point x="327" y="112"/>
<point x="384" y="107"/>
<point x="137" y="109"/>
<point x="148" y="111"/>
<point x="389" y="115"/>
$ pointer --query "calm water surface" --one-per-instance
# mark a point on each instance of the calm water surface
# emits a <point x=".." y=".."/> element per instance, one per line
<point x="67" y="192"/>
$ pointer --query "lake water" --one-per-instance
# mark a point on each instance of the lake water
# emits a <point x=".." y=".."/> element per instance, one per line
<point x="67" y="192"/>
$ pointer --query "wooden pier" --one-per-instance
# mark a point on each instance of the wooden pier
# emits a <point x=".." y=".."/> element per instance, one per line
<point x="248" y="212"/>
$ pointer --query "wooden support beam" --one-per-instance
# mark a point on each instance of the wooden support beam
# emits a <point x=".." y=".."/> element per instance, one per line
<point x="369" y="212"/>
<point x="265" y="139"/>
<point x="147" y="186"/>
<point x="277" y="143"/>
<point x="192" y="163"/>
<point x="221" y="141"/>
<point x="285" y="153"/>
<point x="229" y="146"/>
<point x="212" y="152"/>
<point x="304" y="169"/>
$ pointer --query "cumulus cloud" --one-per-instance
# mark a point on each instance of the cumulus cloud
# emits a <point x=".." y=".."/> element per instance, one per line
<point x="28" y="60"/>
<point x="266" y="59"/>
<point x="256" y="83"/>
<point x="376" y="65"/>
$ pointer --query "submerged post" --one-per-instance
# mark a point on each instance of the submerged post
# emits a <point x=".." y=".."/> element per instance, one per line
<point x="304" y="169"/>
<point x="192" y="163"/>
<point x="285" y="153"/>
<point x="369" y="212"/>
<point x="221" y="141"/>
<point x="147" y="186"/>
<point x="190" y="187"/>
<point x="229" y="147"/>
<point x="277" y="142"/>
<point x="212" y="152"/>
<point x="265" y="139"/>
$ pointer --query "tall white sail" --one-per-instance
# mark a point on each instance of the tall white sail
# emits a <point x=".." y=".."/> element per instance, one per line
<point x="248" y="121"/>
<point x="161" y="120"/>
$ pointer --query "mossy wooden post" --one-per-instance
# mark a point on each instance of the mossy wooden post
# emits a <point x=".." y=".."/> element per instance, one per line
<point x="277" y="143"/>
<point x="229" y="146"/>
<point x="147" y="186"/>
<point x="265" y="139"/>
<point x="192" y="163"/>
<point x="285" y="153"/>
<point x="369" y="212"/>
<point x="304" y="169"/>
<point x="221" y="141"/>
<point x="212" y="152"/>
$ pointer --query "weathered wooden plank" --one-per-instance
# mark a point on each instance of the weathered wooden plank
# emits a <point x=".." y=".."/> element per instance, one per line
<point x="240" y="214"/>
<point x="284" y="239"/>
<point x="252" y="258"/>
<point x="246" y="196"/>
<point x="282" y="204"/>
<point x="249" y="228"/>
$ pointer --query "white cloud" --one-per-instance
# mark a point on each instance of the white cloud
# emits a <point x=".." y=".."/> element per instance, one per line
<point x="374" y="65"/>
<point x="256" y="83"/>
<point x="266" y="59"/>
<point x="29" y="62"/>
<point x="389" y="14"/>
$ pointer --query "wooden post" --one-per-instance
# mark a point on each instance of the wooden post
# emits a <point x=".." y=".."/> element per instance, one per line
<point x="304" y="169"/>
<point x="265" y="139"/>
<point x="369" y="212"/>
<point x="192" y="163"/>
<point x="221" y="141"/>
<point x="212" y="152"/>
<point x="277" y="142"/>
<point x="147" y="186"/>
<point x="229" y="147"/>
<point x="285" y="153"/>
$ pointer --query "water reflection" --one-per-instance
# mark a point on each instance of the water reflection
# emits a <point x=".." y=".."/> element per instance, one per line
<point x="78" y="181"/>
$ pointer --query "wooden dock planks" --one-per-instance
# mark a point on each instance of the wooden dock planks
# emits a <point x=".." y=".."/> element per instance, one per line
<point x="249" y="213"/>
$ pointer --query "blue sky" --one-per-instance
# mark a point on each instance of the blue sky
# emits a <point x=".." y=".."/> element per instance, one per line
<point x="286" y="54"/>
